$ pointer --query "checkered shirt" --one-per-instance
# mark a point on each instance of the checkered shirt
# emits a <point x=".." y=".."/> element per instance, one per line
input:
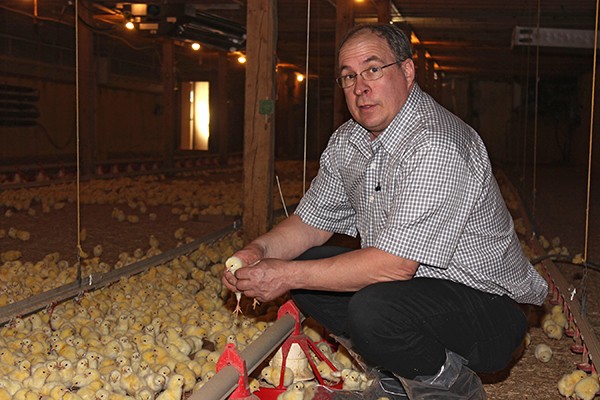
<point x="423" y="190"/>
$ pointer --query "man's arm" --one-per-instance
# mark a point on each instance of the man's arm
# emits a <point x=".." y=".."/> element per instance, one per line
<point x="290" y="238"/>
<point x="285" y="241"/>
<point x="271" y="278"/>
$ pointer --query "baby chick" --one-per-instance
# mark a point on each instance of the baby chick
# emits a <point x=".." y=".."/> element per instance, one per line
<point x="543" y="352"/>
<point x="294" y="392"/>
<point x="233" y="264"/>
<point x="566" y="384"/>
<point x="272" y="375"/>
<point x="552" y="330"/>
<point x="174" y="389"/>
<point x="587" y="388"/>
<point x="352" y="379"/>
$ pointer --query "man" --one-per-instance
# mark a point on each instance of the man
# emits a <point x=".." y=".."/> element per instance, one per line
<point x="440" y="269"/>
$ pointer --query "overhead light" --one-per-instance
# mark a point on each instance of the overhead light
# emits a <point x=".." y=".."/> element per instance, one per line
<point x="242" y="59"/>
<point x="129" y="25"/>
<point x="299" y="77"/>
<point x="196" y="46"/>
<point x="139" y="9"/>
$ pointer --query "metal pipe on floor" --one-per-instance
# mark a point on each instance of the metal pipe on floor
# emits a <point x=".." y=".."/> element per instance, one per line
<point x="220" y="386"/>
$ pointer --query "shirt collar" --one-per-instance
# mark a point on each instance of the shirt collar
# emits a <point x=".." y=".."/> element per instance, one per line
<point x="396" y="133"/>
<point x="400" y="129"/>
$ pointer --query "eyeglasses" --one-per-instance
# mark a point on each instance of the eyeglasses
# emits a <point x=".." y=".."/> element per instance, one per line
<point x="369" y="74"/>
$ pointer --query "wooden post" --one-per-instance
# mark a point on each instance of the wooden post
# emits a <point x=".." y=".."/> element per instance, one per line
<point x="169" y="126"/>
<point x="87" y="95"/>
<point x="261" y="44"/>
<point x="421" y="67"/>
<point x="344" y="21"/>
<point x="223" y="109"/>
<point x="384" y="11"/>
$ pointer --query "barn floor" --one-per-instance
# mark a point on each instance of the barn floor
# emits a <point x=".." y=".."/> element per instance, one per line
<point x="559" y="211"/>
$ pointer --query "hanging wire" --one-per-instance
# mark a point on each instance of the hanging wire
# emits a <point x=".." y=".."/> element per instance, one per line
<point x="306" y="95"/>
<point x="583" y="283"/>
<point x="77" y="181"/>
<point x="526" y="111"/>
<point x="589" y="178"/>
<point x="535" y="120"/>
<point x="281" y="196"/>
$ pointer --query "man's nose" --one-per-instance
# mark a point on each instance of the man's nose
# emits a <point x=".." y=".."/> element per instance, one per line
<point x="361" y="86"/>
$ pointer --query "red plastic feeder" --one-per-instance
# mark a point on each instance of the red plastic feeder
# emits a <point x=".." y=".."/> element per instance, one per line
<point x="307" y="346"/>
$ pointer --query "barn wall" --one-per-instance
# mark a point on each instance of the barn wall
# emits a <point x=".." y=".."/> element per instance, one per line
<point x="54" y="134"/>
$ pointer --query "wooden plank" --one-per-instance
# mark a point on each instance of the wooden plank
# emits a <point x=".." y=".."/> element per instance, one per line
<point x="259" y="117"/>
<point x="421" y="67"/>
<point x="344" y="21"/>
<point x="169" y="131"/>
<point x="384" y="11"/>
<point x="87" y="93"/>
<point x="223" y="109"/>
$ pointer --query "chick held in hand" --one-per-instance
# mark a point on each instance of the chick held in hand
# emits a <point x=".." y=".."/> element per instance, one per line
<point x="232" y="264"/>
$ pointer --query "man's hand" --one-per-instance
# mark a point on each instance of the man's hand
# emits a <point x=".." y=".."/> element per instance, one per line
<point x="264" y="281"/>
<point x="249" y="256"/>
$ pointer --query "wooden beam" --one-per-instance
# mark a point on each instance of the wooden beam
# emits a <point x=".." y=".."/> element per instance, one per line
<point x="223" y="109"/>
<point x="344" y="21"/>
<point x="421" y="67"/>
<point x="384" y="11"/>
<point x="170" y="131"/>
<point x="259" y="117"/>
<point x="87" y="94"/>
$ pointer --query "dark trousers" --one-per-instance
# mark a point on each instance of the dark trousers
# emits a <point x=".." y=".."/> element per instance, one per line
<point x="406" y="326"/>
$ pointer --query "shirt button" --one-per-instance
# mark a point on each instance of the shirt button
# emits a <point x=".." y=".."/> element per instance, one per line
<point x="372" y="165"/>
<point x="371" y="198"/>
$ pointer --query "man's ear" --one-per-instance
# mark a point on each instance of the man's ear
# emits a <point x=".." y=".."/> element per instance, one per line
<point x="408" y="67"/>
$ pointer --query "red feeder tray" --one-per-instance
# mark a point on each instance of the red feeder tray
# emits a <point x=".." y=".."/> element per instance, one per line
<point x="307" y="346"/>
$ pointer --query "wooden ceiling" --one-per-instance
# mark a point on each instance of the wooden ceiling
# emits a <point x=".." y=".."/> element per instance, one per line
<point x="463" y="37"/>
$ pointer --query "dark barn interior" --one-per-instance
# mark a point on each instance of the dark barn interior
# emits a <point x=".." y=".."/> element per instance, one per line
<point x="111" y="134"/>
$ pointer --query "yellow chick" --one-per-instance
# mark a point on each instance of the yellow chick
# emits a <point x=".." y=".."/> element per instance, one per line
<point x="155" y="382"/>
<point x="272" y="375"/>
<point x="342" y="358"/>
<point x="174" y="389"/>
<point x="543" y="352"/>
<point x="130" y="381"/>
<point x="26" y="394"/>
<point x="294" y="392"/>
<point x="326" y="372"/>
<point x="566" y="384"/>
<point x="552" y="330"/>
<point x="22" y="372"/>
<point x="352" y="380"/>
<point x="587" y="388"/>
<point x="37" y="379"/>
<point x="254" y="385"/>
<point x="189" y="376"/>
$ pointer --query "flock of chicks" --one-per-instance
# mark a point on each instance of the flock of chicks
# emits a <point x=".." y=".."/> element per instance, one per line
<point x="576" y="384"/>
<point x="156" y="335"/>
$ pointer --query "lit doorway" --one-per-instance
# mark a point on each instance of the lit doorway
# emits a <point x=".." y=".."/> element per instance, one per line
<point x="195" y="115"/>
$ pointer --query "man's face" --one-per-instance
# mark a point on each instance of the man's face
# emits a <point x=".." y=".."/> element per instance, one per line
<point x="374" y="104"/>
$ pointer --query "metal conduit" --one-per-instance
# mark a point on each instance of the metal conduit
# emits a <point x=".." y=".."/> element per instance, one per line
<point x="225" y="381"/>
